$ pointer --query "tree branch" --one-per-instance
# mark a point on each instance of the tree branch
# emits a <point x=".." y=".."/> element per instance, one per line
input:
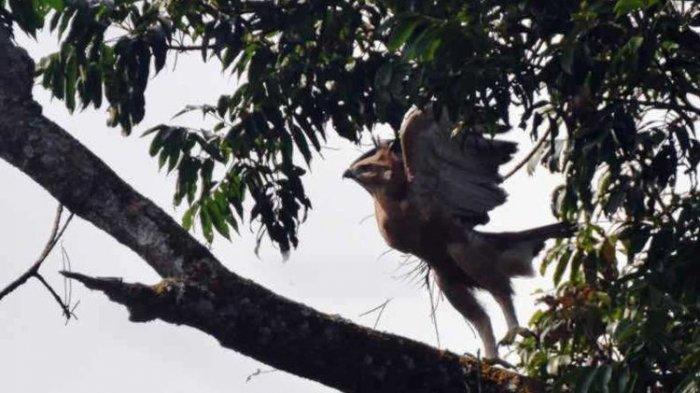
<point x="65" y="308"/>
<point x="198" y="291"/>
<point x="238" y="318"/>
<point x="185" y="48"/>
<point x="529" y="155"/>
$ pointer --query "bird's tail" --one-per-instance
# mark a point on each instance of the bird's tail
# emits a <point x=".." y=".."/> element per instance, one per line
<point x="517" y="249"/>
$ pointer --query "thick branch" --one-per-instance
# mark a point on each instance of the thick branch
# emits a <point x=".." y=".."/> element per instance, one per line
<point x="241" y="314"/>
<point x="85" y="184"/>
<point x="248" y="318"/>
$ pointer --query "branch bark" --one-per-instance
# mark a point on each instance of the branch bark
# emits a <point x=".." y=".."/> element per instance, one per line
<point x="198" y="290"/>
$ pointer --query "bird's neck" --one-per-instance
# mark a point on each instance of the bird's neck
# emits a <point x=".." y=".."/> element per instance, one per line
<point x="391" y="203"/>
<point x="393" y="192"/>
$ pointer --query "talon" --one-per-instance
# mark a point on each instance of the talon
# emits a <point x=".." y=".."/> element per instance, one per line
<point x="498" y="362"/>
<point x="510" y="336"/>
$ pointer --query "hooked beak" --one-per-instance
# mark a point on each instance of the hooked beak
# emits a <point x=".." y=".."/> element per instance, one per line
<point x="349" y="174"/>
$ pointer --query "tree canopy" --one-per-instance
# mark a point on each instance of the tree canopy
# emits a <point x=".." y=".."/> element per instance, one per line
<point x="611" y="87"/>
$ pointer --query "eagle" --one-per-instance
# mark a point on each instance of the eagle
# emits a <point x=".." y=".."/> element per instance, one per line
<point x="430" y="190"/>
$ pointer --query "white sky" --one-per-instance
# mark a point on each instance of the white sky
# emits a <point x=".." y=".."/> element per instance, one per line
<point x="338" y="267"/>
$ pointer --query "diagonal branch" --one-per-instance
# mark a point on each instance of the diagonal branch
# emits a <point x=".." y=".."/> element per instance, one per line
<point x="198" y="291"/>
<point x="228" y="313"/>
<point x="379" y="308"/>
<point x="529" y="155"/>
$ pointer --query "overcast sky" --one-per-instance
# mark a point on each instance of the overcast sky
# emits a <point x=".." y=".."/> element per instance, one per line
<point x="340" y="266"/>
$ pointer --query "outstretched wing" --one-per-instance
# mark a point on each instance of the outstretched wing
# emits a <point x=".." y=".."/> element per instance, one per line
<point x="455" y="175"/>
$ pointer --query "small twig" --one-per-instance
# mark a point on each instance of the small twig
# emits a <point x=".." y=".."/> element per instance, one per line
<point x="53" y="237"/>
<point x="67" y="284"/>
<point x="529" y="155"/>
<point x="57" y="231"/>
<point x="259" y="372"/>
<point x="659" y="105"/>
<point x="15" y="284"/>
<point x="183" y="48"/>
<point x="64" y="307"/>
<point x="381" y="308"/>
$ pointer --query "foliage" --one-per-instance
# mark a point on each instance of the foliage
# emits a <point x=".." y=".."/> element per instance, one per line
<point x="612" y="85"/>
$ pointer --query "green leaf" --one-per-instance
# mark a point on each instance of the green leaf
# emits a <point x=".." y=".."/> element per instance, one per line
<point x="217" y="218"/>
<point x="206" y="223"/>
<point x="432" y="48"/>
<point x="173" y="157"/>
<point x="159" y="48"/>
<point x="162" y="158"/>
<point x="188" y="217"/>
<point x="71" y="75"/>
<point x="626" y="6"/>
<point x="93" y="85"/>
<point x="402" y="32"/>
<point x="223" y="105"/>
<point x="54" y="4"/>
<point x="65" y="19"/>
<point x="574" y="270"/>
<point x="232" y="221"/>
<point x="635" y="43"/>
<point x="423" y="46"/>
<point x="301" y="143"/>
<point x="561" y="266"/>
<point x="27" y="16"/>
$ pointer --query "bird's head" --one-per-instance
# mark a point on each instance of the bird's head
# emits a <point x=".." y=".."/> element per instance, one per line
<point x="380" y="170"/>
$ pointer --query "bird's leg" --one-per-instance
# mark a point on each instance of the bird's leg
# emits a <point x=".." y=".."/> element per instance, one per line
<point x="482" y="323"/>
<point x="506" y="302"/>
<point x="462" y="299"/>
<point x="514" y="329"/>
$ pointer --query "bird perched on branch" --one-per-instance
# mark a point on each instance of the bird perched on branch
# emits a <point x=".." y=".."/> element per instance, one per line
<point x="430" y="190"/>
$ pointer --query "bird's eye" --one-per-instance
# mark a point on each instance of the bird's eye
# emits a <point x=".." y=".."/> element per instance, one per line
<point x="364" y="169"/>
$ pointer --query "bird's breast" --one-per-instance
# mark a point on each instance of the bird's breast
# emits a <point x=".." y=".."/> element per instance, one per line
<point x="397" y="224"/>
